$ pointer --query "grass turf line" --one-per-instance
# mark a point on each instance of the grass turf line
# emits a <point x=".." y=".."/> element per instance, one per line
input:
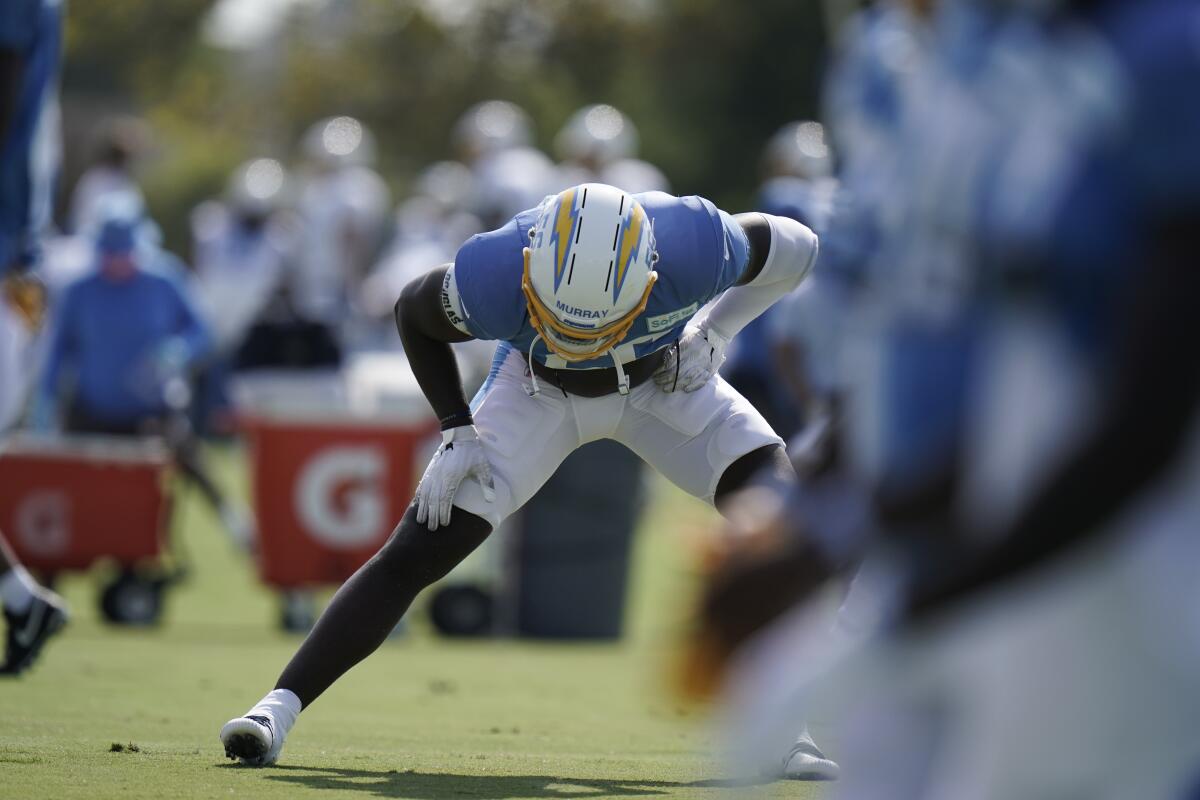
<point x="111" y="713"/>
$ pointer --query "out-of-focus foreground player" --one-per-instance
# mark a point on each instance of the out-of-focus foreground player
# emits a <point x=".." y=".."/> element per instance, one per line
<point x="1061" y="504"/>
<point x="29" y="53"/>
<point x="1036" y="468"/>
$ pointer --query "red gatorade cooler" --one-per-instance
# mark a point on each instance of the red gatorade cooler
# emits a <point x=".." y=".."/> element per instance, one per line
<point x="67" y="502"/>
<point x="329" y="479"/>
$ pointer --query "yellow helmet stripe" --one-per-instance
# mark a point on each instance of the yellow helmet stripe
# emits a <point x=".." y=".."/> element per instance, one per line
<point x="565" y="220"/>
<point x="631" y="238"/>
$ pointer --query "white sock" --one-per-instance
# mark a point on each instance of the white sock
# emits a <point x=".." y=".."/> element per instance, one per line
<point x="282" y="706"/>
<point x="17" y="588"/>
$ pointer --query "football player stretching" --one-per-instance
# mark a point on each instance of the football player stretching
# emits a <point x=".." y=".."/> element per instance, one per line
<point x="593" y="297"/>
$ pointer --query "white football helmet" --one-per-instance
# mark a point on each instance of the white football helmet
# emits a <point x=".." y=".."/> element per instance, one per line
<point x="589" y="269"/>
<point x="338" y="142"/>
<point x="597" y="135"/>
<point x="799" y="149"/>
<point x="491" y="126"/>
<point x="257" y="186"/>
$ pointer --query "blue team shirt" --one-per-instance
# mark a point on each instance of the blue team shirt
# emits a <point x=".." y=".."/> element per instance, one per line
<point x="1051" y="148"/>
<point x="107" y="335"/>
<point x="702" y="252"/>
<point x="32" y="29"/>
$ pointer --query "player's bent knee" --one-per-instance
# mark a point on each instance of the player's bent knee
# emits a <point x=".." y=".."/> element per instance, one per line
<point x="765" y="466"/>
<point x="414" y="550"/>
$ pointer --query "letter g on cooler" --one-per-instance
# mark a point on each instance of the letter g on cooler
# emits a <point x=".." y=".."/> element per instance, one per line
<point x="43" y="523"/>
<point x="339" y="495"/>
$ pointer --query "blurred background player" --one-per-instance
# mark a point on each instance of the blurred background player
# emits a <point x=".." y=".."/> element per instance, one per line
<point x="240" y="247"/>
<point x="599" y="144"/>
<point x="30" y="33"/>
<point x="341" y="204"/>
<point x="119" y="145"/>
<point x="798" y="166"/>
<point x="645" y="376"/>
<point x="123" y="341"/>
<point x="429" y="225"/>
<point x="495" y="140"/>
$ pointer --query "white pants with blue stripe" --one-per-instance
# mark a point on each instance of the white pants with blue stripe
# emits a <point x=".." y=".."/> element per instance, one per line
<point x="690" y="437"/>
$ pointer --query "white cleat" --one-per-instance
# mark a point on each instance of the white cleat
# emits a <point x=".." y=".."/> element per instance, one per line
<point x="806" y="762"/>
<point x="253" y="740"/>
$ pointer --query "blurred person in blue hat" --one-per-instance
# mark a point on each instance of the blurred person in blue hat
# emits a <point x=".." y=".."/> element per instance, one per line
<point x="30" y="36"/>
<point x="123" y="342"/>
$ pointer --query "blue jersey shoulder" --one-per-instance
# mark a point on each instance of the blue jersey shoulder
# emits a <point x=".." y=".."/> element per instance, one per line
<point x="702" y="251"/>
<point x="487" y="271"/>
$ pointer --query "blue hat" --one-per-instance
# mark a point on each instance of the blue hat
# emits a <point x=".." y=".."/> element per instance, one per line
<point x="117" y="237"/>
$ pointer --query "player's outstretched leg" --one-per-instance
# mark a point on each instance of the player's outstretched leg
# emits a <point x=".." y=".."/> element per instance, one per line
<point x="358" y="619"/>
<point x="32" y="612"/>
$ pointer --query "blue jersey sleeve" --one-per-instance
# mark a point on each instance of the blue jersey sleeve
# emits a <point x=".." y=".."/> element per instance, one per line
<point x="702" y="250"/>
<point x="735" y="253"/>
<point x="19" y="21"/>
<point x="487" y="272"/>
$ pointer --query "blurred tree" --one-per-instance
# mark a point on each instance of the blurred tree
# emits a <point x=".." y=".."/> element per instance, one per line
<point x="706" y="82"/>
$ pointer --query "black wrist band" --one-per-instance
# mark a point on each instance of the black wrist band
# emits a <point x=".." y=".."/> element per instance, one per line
<point x="457" y="420"/>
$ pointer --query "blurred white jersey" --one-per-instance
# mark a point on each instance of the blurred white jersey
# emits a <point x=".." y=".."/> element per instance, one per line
<point x="812" y="317"/>
<point x="341" y="213"/>
<point x="635" y="176"/>
<point x="94" y="187"/>
<point x="631" y="175"/>
<point x="510" y="181"/>
<point x="236" y="271"/>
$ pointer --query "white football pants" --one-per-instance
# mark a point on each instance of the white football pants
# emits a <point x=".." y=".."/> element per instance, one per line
<point x="690" y="437"/>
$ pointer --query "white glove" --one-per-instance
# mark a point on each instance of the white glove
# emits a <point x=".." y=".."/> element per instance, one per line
<point x="459" y="456"/>
<point x="693" y="362"/>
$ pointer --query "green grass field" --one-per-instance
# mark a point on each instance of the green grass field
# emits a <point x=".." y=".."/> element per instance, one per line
<point x="423" y="718"/>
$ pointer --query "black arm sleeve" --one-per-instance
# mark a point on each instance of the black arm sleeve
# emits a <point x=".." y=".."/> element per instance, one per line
<point x="1153" y="401"/>
<point x="758" y="232"/>
<point x="12" y="67"/>
<point x="427" y="334"/>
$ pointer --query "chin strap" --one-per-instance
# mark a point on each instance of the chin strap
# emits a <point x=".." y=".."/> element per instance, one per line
<point x="622" y="378"/>
<point x="533" y="389"/>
